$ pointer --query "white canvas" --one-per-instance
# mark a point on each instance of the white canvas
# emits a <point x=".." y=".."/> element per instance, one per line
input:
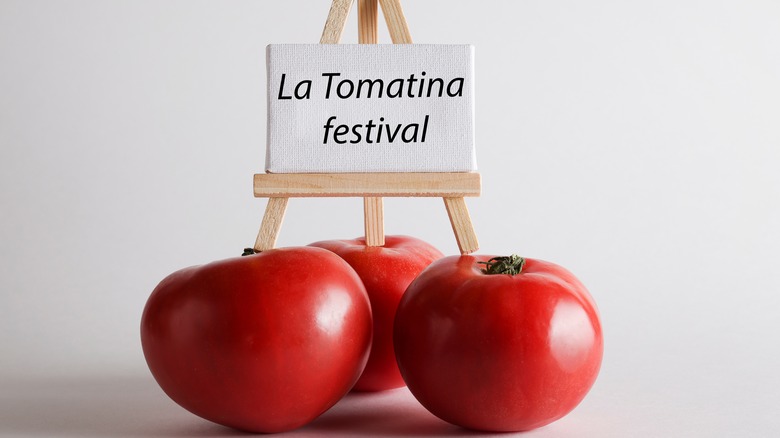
<point x="370" y="108"/>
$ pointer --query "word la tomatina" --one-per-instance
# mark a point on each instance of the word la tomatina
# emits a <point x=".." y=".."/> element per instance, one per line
<point x="376" y="88"/>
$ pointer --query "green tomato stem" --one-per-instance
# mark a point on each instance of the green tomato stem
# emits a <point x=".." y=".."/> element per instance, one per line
<point x="511" y="265"/>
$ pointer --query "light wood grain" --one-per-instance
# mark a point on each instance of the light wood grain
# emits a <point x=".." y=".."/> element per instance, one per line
<point x="272" y="223"/>
<point x="461" y="225"/>
<point x="367" y="184"/>
<point x="374" y="216"/>
<point x="396" y="21"/>
<point x="337" y="19"/>
<point x="373" y="207"/>
<point x="367" y="21"/>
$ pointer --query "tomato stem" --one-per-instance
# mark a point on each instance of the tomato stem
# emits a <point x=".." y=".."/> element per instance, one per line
<point x="511" y="265"/>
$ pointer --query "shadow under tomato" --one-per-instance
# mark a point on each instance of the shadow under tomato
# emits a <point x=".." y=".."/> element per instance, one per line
<point x="123" y="406"/>
<point x="386" y="413"/>
<point x="96" y="407"/>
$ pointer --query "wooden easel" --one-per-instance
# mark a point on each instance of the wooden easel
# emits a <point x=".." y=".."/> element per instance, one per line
<point x="372" y="187"/>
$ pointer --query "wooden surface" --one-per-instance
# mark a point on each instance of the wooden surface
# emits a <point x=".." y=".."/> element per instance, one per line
<point x="396" y="22"/>
<point x="272" y="223"/>
<point x="337" y="19"/>
<point x="306" y="185"/>
<point x="461" y="224"/>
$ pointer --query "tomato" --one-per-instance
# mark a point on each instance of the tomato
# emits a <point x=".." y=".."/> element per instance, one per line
<point x="262" y="343"/>
<point x="386" y="271"/>
<point x="495" y="351"/>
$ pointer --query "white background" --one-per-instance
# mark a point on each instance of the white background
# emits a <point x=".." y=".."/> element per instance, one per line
<point x="636" y="143"/>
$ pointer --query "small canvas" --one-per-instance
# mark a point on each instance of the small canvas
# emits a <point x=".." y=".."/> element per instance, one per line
<point x="336" y="108"/>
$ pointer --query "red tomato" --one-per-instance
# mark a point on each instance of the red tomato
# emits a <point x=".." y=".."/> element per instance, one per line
<point x="386" y="272"/>
<point x="498" y="352"/>
<point x="263" y="343"/>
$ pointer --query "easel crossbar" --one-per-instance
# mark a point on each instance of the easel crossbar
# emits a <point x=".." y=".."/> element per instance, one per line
<point x="309" y="185"/>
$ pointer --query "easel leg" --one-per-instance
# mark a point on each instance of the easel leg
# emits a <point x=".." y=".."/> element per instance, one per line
<point x="374" y="216"/>
<point x="367" y="21"/>
<point x="461" y="225"/>
<point x="396" y="22"/>
<point x="337" y="18"/>
<point x="373" y="207"/>
<point x="272" y="223"/>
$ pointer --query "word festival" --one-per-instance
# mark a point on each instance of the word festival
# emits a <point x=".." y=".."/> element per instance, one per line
<point x="342" y="88"/>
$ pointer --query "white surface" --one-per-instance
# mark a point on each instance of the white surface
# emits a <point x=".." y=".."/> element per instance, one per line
<point x="127" y="407"/>
<point x="370" y="108"/>
<point x="635" y="143"/>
